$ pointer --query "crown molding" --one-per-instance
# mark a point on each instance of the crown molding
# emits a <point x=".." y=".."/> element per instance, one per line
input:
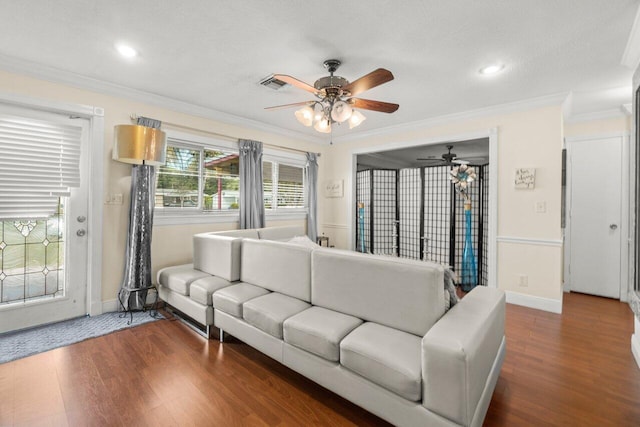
<point x="501" y="109"/>
<point x="631" y="55"/>
<point x="55" y="75"/>
<point x="613" y="113"/>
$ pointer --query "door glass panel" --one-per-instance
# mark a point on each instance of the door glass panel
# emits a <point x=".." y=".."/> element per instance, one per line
<point x="32" y="258"/>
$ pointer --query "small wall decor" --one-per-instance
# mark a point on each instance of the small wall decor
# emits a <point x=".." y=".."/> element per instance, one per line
<point x="333" y="188"/>
<point x="525" y="178"/>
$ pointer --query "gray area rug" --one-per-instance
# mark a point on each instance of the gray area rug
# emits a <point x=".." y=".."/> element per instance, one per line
<point x="16" y="345"/>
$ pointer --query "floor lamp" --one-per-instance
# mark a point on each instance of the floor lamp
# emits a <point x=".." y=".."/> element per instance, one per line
<point x="144" y="148"/>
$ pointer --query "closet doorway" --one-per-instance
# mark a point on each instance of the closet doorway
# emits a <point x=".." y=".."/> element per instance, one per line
<point x="407" y="206"/>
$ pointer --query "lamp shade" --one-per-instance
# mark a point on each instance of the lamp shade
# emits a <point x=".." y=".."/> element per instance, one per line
<point x="323" y="126"/>
<point x="356" y="119"/>
<point x="341" y="111"/>
<point x="139" y="145"/>
<point x="305" y="115"/>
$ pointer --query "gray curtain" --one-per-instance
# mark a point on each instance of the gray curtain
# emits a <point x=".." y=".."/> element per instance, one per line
<point x="251" y="193"/>
<point x="311" y="170"/>
<point x="137" y="268"/>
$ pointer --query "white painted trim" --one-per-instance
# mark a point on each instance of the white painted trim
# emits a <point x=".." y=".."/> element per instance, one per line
<point x="635" y="341"/>
<point x="491" y="133"/>
<point x="95" y="214"/>
<point x="40" y="71"/>
<point x="493" y="209"/>
<point x="631" y="55"/>
<point x="530" y="241"/>
<point x="512" y="107"/>
<point x="531" y="301"/>
<point x="335" y="226"/>
<point x="109" y="306"/>
<point x="621" y="134"/>
<point x="95" y="116"/>
<point x="597" y="115"/>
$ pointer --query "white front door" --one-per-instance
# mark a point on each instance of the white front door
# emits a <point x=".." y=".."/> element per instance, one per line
<point x="43" y="262"/>
<point x="594" y="171"/>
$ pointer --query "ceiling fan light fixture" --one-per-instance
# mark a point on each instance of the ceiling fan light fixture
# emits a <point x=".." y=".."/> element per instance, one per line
<point x="305" y="115"/>
<point x="356" y="119"/>
<point x="341" y="111"/>
<point x="323" y="126"/>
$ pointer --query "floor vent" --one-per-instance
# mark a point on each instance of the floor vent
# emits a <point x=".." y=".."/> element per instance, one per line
<point x="272" y="82"/>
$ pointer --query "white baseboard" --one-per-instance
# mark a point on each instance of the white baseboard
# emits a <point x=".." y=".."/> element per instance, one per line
<point x="110" y="305"/>
<point x="635" y="348"/>
<point x="539" y="303"/>
<point x="114" y="305"/>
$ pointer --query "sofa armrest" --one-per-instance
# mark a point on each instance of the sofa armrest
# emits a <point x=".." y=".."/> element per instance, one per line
<point x="217" y="255"/>
<point x="458" y="354"/>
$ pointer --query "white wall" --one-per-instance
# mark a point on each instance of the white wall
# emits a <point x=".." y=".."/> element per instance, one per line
<point x="529" y="243"/>
<point x="171" y="244"/>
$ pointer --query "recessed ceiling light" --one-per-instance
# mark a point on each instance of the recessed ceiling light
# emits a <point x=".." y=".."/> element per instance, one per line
<point x="492" y="69"/>
<point x="126" y="50"/>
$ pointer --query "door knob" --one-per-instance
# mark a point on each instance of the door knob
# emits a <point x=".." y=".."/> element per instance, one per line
<point x="81" y="232"/>
<point x="613" y="226"/>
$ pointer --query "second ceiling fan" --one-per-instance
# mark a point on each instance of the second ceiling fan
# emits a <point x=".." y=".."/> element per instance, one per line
<point x="335" y="101"/>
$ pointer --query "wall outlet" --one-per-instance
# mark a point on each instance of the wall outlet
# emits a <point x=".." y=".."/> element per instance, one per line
<point x="523" y="280"/>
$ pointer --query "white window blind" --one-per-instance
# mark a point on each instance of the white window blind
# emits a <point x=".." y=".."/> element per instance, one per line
<point x="39" y="162"/>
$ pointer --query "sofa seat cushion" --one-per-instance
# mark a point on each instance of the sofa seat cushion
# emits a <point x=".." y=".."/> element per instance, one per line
<point x="231" y="298"/>
<point x="269" y="312"/>
<point x="385" y="356"/>
<point x="201" y="290"/>
<point x="179" y="277"/>
<point x="319" y="331"/>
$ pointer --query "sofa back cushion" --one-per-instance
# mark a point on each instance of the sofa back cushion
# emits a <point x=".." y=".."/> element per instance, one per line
<point x="399" y="293"/>
<point x="250" y="233"/>
<point x="217" y="254"/>
<point x="277" y="266"/>
<point x="283" y="233"/>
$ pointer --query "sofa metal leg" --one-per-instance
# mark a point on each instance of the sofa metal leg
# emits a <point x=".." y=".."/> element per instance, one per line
<point x="221" y="335"/>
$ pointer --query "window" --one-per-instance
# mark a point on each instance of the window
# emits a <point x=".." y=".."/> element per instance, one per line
<point x="200" y="182"/>
<point x="283" y="186"/>
<point x="198" y="179"/>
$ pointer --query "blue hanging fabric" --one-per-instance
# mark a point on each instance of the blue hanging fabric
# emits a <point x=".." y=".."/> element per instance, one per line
<point x="469" y="275"/>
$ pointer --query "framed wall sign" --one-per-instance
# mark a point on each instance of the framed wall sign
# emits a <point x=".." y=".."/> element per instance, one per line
<point x="525" y="178"/>
<point x="333" y="188"/>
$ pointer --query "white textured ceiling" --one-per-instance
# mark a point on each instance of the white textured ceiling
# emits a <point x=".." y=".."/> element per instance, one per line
<point x="213" y="53"/>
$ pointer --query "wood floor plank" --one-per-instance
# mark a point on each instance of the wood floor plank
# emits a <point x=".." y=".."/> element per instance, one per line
<point x="569" y="369"/>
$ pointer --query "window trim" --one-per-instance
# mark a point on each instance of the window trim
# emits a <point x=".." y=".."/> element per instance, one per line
<point x="181" y="216"/>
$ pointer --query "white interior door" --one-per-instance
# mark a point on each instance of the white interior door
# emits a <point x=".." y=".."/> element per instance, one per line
<point x="594" y="222"/>
<point x="43" y="262"/>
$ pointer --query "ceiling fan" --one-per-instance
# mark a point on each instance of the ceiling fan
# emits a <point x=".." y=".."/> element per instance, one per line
<point x="335" y="98"/>
<point x="447" y="158"/>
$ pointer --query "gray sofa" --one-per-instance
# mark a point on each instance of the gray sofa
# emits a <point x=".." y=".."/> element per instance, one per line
<point x="216" y="264"/>
<point x="372" y="329"/>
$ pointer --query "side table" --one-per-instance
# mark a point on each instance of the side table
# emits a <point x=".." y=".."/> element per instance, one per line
<point x="153" y="312"/>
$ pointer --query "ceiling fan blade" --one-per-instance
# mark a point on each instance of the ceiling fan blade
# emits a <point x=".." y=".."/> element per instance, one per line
<point x="369" y="81"/>
<point x="296" y="104"/>
<point x="367" y="104"/>
<point x="433" y="160"/>
<point x="295" y="82"/>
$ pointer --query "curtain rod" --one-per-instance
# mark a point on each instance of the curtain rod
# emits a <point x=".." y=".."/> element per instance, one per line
<point x="134" y="118"/>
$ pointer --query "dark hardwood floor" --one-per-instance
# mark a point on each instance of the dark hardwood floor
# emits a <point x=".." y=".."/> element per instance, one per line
<point x="575" y="369"/>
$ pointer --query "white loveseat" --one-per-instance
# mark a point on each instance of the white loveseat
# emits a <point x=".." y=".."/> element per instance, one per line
<point x="216" y="264"/>
<point x="372" y="329"/>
